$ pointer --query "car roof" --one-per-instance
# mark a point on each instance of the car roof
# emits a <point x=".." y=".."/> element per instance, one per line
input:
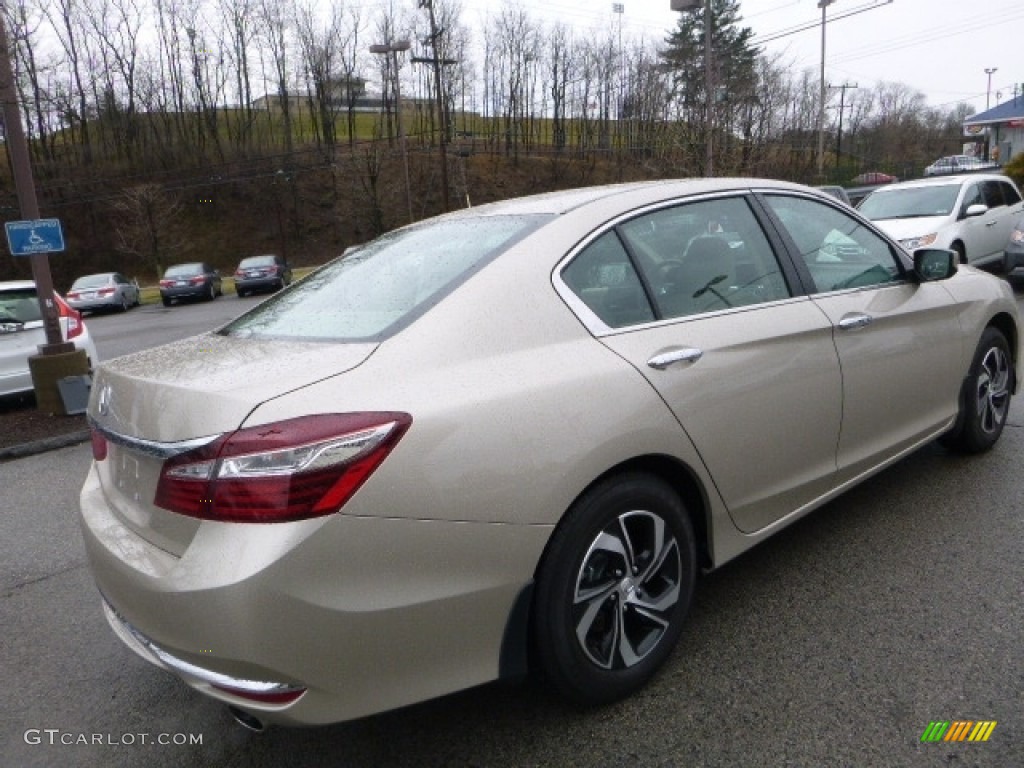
<point x="565" y="201"/>
<point x="939" y="181"/>
<point x="17" y="285"/>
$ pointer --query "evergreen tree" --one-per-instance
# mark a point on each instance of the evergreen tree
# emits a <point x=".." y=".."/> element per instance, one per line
<point x="733" y="66"/>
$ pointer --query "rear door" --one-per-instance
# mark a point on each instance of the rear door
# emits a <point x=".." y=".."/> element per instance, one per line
<point x="695" y="298"/>
<point x="898" y="340"/>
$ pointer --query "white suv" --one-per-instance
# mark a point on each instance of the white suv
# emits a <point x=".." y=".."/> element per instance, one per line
<point x="972" y="215"/>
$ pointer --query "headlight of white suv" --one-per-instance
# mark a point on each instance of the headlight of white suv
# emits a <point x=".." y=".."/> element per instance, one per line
<point x="912" y="243"/>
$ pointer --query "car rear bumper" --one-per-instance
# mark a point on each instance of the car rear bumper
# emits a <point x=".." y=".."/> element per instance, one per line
<point x="367" y="614"/>
<point x="258" y="283"/>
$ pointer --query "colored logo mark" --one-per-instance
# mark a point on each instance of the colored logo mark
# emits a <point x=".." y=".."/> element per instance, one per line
<point x="958" y="730"/>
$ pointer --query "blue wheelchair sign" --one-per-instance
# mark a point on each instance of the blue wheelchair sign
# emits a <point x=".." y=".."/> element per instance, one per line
<point x="26" y="238"/>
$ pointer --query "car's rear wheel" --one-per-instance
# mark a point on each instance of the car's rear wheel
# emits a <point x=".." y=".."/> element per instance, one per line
<point x="124" y="303"/>
<point x="985" y="401"/>
<point x="166" y="301"/>
<point x="613" y="588"/>
<point x="212" y="293"/>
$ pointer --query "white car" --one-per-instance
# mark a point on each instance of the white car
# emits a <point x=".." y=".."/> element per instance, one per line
<point x="972" y="215"/>
<point x="22" y="331"/>
<point x="958" y="164"/>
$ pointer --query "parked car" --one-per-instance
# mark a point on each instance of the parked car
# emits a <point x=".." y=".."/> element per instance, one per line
<point x="22" y="332"/>
<point x="525" y="425"/>
<point x="108" y="290"/>
<point x="874" y="177"/>
<point x="1015" y="247"/>
<point x="197" y="280"/>
<point x="972" y="215"/>
<point x="839" y="193"/>
<point x="262" y="273"/>
<point x="958" y="164"/>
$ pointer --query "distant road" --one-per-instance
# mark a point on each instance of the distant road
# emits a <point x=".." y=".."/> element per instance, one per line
<point x="153" y="324"/>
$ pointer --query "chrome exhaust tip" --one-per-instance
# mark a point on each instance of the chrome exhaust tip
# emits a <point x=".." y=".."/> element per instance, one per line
<point x="247" y="721"/>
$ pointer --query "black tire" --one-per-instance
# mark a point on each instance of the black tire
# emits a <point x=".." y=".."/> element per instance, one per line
<point x="611" y="593"/>
<point x="212" y="293"/>
<point x="166" y="301"/>
<point x="240" y="292"/>
<point x="124" y="303"/>
<point x="985" y="399"/>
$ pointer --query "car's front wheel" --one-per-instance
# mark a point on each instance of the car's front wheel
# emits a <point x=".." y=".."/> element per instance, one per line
<point x="985" y="401"/>
<point x="613" y="588"/>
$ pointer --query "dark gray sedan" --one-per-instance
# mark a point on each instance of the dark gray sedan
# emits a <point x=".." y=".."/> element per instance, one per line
<point x="197" y="280"/>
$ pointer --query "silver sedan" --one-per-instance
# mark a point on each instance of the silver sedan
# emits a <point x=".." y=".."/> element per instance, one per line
<point x="107" y="290"/>
<point x="513" y="435"/>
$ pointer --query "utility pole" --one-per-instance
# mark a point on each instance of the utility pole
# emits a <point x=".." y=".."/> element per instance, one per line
<point x="442" y="106"/>
<point x="842" y="107"/>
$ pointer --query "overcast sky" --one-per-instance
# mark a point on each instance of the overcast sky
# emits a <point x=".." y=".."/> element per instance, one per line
<point x="939" y="47"/>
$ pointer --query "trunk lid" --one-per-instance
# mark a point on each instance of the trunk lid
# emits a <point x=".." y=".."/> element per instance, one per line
<point x="151" y="403"/>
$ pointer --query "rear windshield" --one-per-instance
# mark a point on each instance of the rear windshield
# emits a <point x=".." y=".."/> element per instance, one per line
<point x="183" y="270"/>
<point x="19" y="306"/>
<point x="384" y="285"/>
<point x="910" y="202"/>
<point x="257" y="261"/>
<point x="92" y="281"/>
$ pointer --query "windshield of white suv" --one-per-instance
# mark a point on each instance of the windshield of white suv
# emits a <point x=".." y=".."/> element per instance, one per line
<point x="384" y="285"/>
<point x="910" y="202"/>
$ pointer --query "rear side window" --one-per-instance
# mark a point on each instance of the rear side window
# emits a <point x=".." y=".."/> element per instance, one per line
<point x="603" y="276"/>
<point x="386" y="284"/>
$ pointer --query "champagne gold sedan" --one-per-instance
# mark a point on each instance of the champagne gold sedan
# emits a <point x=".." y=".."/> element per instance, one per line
<point x="509" y="438"/>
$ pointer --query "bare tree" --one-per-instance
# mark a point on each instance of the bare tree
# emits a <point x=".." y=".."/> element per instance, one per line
<point x="149" y="225"/>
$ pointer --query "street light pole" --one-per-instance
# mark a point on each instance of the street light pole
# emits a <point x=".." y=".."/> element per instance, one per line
<point x="709" y="118"/>
<point x="988" y="91"/>
<point x="394" y="49"/>
<point x="823" y="4"/>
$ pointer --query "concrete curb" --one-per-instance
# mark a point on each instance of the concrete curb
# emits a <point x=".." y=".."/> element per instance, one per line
<point x="41" y="446"/>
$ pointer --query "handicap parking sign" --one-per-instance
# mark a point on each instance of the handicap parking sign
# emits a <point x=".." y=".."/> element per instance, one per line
<point x="31" y="236"/>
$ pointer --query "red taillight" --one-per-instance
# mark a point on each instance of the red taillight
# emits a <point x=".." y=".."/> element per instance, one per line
<point x="239" y="273"/>
<point x="289" y="470"/>
<point x="105" y="291"/>
<point x="196" y="280"/>
<point x="73" y="316"/>
<point x="166" y="283"/>
<point x="73" y="294"/>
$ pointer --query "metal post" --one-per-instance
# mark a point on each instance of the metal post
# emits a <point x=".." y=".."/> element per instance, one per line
<point x="24" y="183"/>
<point x="394" y="49"/>
<point x="988" y="91"/>
<point x="823" y="4"/>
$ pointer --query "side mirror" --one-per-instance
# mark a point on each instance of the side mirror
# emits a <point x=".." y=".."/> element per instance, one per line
<point x="934" y="264"/>
<point x="975" y="210"/>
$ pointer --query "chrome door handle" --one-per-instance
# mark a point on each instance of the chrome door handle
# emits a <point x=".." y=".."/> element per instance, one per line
<point x="991" y="224"/>
<point x="683" y="355"/>
<point x="855" y="321"/>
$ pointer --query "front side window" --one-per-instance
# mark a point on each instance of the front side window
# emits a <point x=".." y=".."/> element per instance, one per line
<point x="385" y="284"/>
<point x="838" y="250"/>
<point x="1010" y="193"/>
